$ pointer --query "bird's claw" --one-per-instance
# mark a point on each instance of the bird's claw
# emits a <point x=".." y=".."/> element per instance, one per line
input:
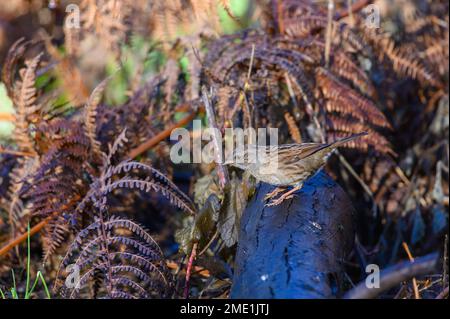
<point x="273" y="193"/>
<point x="279" y="200"/>
<point x="287" y="195"/>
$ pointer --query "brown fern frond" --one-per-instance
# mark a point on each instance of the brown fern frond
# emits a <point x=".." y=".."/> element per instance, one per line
<point x="339" y="127"/>
<point x="293" y="128"/>
<point x="23" y="93"/>
<point x="165" y="20"/>
<point x="437" y="54"/>
<point x="16" y="206"/>
<point x="404" y="62"/>
<point x="122" y="255"/>
<point x="226" y="6"/>
<point x="118" y="176"/>
<point x="107" y="18"/>
<point x="170" y="74"/>
<point x="342" y="98"/>
<point x="195" y="69"/>
<point x="56" y="231"/>
<point x="156" y="181"/>
<point x="58" y="179"/>
<point x="344" y="88"/>
<point x="226" y="95"/>
<point x="15" y="52"/>
<point x="72" y="35"/>
<point x="90" y="116"/>
<point x="118" y="143"/>
<point x="140" y="115"/>
<point x="305" y="26"/>
<point x="69" y="73"/>
<point x="27" y="110"/>
<point x="116" y="251"/>
<point x="345" y="68"/>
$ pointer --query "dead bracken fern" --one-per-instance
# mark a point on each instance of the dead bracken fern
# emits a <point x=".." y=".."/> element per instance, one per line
<point x="65" y="151"/>
<point x="117" y="176"/>
<point x="104" y="252"/>
<point x="23" y="94"/>
<point x="403" y="61"/>
<point x="120" y="257"/>
<point x="71" y="170"/>
<point x="424" y="50"/>
<point x="59" y="179"/>
<point x="322" y="93"/>
<point x="293" y="128"/>
<point x="90" y="115"/>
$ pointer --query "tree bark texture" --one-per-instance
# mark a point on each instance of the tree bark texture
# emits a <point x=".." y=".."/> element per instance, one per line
<point x="295" y="249"/>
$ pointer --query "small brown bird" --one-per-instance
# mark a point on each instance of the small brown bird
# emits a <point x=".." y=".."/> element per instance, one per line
<point x="287" y="164"/>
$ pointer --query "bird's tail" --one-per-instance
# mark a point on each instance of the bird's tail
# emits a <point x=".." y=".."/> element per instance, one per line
<point x="347" y="139"/>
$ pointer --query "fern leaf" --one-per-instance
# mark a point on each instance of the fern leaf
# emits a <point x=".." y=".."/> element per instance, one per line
<point x="91" y="116"/>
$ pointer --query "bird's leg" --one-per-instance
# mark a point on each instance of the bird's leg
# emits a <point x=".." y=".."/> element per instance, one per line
<point x="274" y="193"/>
<point x="287" y="195"/>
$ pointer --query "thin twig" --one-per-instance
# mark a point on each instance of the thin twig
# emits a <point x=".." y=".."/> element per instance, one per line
<point x="359" y="180"/>
<point x="347" y="166"/>
<point x="189" y="270"/>
<point x="161" y="136"/>
<point x="252" y="56"/>
<point x="445" y="262"/>
<point x="280" y="16"/>
<point x="242" y="96"/>
<point x="290" y="89"/>
<point x="414" y="280"/>
<point x="443" y="294"/>
<point x="15" y="153"/>
<point x="35" y="229"/>
<point x="350" y="13"/>
<point x="221" y="170"/>
<point x="16" y="241"/>
<point x="357" y="6"/>
<point x="428" y="284"/>
<point x="394" y="275"/>
<point x="329" y="32"/>
<point x="202" y="271"/>
<point x="209" y="243"/>
<point x="7" y="117"/>
<point x="400" y="291"/>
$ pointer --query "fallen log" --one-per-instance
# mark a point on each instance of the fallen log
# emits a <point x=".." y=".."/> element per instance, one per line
<point x="295" y="249"/>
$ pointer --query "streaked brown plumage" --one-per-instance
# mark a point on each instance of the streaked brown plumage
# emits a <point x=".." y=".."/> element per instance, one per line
<point x="287" y="164"/>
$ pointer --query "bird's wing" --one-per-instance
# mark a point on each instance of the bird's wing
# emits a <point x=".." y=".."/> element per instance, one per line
<point x="251" y="154"/>
<point x="297" y="152"/>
